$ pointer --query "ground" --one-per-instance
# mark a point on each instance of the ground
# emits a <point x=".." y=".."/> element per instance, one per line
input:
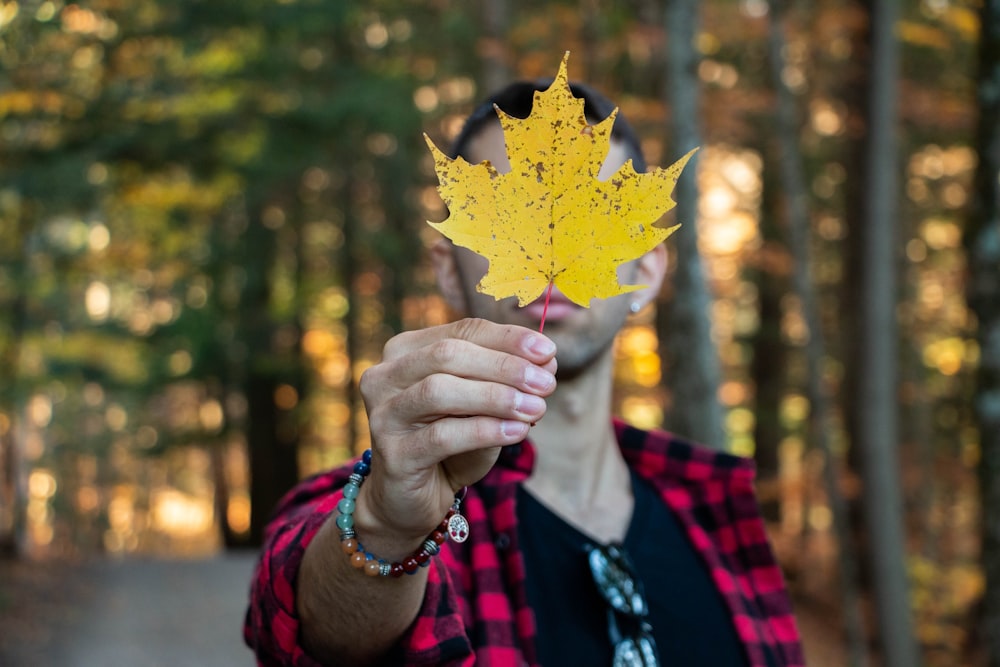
<point x="160" y="613"/>
<point x="142" y="613"/>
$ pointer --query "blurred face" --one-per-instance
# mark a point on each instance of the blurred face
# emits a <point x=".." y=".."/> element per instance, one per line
<point x="581" y="334"/>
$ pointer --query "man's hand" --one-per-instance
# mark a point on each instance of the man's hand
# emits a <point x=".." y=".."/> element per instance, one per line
<point x="440" y="405"/>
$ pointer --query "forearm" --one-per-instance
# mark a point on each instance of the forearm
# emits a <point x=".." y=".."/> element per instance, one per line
<point x="441" y="404"/>
<point x="346" y="616"/>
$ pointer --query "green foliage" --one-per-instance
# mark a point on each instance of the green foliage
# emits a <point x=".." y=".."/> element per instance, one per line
<point x="162" y="164"/>
<point x="199" y="194"/>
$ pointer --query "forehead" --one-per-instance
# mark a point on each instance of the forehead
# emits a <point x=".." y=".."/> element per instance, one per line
<point x="488" y="144"/>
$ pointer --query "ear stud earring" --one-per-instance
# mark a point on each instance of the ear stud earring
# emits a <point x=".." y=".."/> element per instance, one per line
<point x="634" y="307"/>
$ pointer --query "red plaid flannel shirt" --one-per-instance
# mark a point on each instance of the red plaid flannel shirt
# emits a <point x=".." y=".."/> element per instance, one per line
<point x="476" y="609"/>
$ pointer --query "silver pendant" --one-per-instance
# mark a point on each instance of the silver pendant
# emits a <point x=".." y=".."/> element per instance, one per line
<point x="458" y="528"/>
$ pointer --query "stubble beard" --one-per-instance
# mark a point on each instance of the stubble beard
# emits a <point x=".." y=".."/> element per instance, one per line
<point x="577" y="348"/>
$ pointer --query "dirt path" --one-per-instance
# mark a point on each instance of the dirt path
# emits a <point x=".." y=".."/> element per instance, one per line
<point x="141" y="613"/>
<point x="157" y="613"/>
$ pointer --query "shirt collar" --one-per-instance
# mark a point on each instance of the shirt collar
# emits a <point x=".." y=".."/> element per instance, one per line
<point x="648" y="455"/>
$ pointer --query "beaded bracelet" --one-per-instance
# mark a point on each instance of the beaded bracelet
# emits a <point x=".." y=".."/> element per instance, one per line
<point x="454" y="526"/>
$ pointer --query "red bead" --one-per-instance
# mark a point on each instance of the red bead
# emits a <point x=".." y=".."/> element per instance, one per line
<point x="438" y="536"/>
<point x="422" y="557"/>
<point x="396" y="570"/>
<point x="410" y="565"/>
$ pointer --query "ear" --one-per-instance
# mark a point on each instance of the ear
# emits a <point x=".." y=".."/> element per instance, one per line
<point x="650" y="271"/>
<point x="449" y="276"/>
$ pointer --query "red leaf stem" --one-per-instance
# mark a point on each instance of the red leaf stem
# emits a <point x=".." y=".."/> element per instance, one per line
<point x="545" y="309"/>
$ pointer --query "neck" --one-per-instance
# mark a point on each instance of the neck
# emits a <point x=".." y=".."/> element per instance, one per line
<point x="579" y="471"/>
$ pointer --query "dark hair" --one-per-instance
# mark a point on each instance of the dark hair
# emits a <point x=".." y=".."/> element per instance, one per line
<point x="517" y="99"/>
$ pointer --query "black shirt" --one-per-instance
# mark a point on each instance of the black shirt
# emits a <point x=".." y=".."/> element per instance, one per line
<point x="690" y="621"/>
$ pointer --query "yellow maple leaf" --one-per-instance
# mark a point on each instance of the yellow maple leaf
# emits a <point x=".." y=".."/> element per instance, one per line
<point x="549" y="220"/>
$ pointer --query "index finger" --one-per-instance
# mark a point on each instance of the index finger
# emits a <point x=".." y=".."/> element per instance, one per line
<point x="510" y="338"/>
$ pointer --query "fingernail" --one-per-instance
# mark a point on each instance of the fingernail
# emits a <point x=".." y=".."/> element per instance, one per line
<point x="529" y="404"/>
<point x="538" y="378"/>
<point x="510" y="428"/>
<point x="540" y="345"/>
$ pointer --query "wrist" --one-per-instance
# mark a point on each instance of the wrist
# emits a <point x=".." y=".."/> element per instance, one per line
<point x="378" y="533"/>
<point x="363" y="557"/>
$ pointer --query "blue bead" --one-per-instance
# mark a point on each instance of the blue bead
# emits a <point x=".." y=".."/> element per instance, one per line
<point x="351" y="491"/>
<point x="367" y="456"/>
<point x="362" y="468"/>
<point x="345" y="521"/>
<point x="345" y="506"/>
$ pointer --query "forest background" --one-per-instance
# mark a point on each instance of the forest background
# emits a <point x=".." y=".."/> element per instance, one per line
<point x="212" y="218"/>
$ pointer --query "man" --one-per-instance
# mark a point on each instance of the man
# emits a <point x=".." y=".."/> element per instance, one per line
<point x="590" y="543"/>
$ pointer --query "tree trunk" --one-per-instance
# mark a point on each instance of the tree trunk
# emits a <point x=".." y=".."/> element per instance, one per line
<point x="878" y="442"/>
<point x="820" y="424"/>
<point x="12" y="501"/>
<point x="352" y="346"/>
<point x="495" y="17"/>
<point x="399" y="263"/>
<point x="854" y="94"/>
<point x="222" y="372"/>
<point x="230" y="539"/>
<point x="983" y="246"/>
<point x="686" y="343"/>
<point x="769" y="350"/>
<point x="271" y="431"/>
<point x="272" y="443"/>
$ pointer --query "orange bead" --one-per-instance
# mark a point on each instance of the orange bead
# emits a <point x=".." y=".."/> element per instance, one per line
<point x="349" y="546"/>
<point x="371" y="568"/>
<point x="358" y="559"/>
